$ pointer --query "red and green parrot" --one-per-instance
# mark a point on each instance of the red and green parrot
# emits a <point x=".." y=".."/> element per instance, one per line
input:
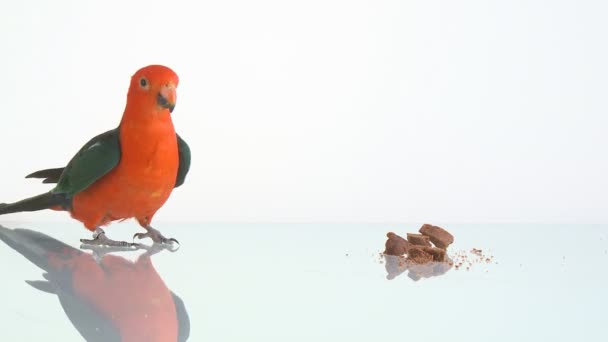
<point x="127" y="172"/>
<point x="112" y="299"/>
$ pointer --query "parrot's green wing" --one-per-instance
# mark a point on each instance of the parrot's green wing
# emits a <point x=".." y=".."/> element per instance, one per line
<point x="184" y="161"/>
<point x="96" y="158"/>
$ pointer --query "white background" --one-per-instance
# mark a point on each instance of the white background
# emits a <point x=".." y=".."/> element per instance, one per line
<point x="460" y="111"/>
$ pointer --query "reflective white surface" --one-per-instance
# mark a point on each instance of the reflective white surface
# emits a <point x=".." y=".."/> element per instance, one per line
<point x="308" y="282"/>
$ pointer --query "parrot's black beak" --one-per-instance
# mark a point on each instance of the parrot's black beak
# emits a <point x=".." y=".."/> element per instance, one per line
<point x="164" y="102"/>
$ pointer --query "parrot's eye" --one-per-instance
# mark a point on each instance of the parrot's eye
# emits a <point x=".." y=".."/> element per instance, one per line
<point x="143" y="82"/>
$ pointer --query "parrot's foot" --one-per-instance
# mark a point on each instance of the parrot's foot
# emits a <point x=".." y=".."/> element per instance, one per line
<point x="100" y="239"/>
<point x="157" y="237"/>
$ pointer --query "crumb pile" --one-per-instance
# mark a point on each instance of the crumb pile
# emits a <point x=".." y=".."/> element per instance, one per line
<point x="425" y="254"/>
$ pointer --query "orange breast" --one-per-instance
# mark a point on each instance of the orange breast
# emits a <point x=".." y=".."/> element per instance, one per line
<point x="142" y="181"/>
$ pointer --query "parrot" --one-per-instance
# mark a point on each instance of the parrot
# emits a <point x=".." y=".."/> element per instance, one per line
<point x="127" y="172"/>
<point x="114" y="299"/>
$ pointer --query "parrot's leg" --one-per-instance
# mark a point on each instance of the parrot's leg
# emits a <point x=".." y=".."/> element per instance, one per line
<point x="100" y="239"/>
<point x="156" y="236"/>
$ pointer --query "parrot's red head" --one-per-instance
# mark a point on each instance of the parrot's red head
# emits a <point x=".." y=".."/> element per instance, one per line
<point x="153" y="88"/>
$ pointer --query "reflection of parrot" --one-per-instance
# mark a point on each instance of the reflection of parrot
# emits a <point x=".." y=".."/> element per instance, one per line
<point x="113" y="300"/>
<point x="127" y="172"/>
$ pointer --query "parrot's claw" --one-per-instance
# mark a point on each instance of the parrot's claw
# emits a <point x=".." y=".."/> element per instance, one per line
<point x="158" y="238"/>
<point x="100" y="239"/>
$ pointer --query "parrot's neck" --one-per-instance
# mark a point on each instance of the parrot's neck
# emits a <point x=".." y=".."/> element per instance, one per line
<point x="147" y="139"/>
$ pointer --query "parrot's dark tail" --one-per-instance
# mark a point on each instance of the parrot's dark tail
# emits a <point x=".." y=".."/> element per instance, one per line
<point x="44" y="201"/>
<point x="49" y="175"/>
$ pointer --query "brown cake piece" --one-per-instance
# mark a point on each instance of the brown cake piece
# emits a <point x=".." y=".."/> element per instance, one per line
<point x="438" y="236"/>
<point x="438" y="254"/>
<point x="418" y="255"/>
<point x="396" y="245"/>
<point x="418" y="239"/>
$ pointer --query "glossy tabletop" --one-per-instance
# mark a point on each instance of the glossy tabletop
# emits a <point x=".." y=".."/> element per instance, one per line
<point x="304" y="282"/>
